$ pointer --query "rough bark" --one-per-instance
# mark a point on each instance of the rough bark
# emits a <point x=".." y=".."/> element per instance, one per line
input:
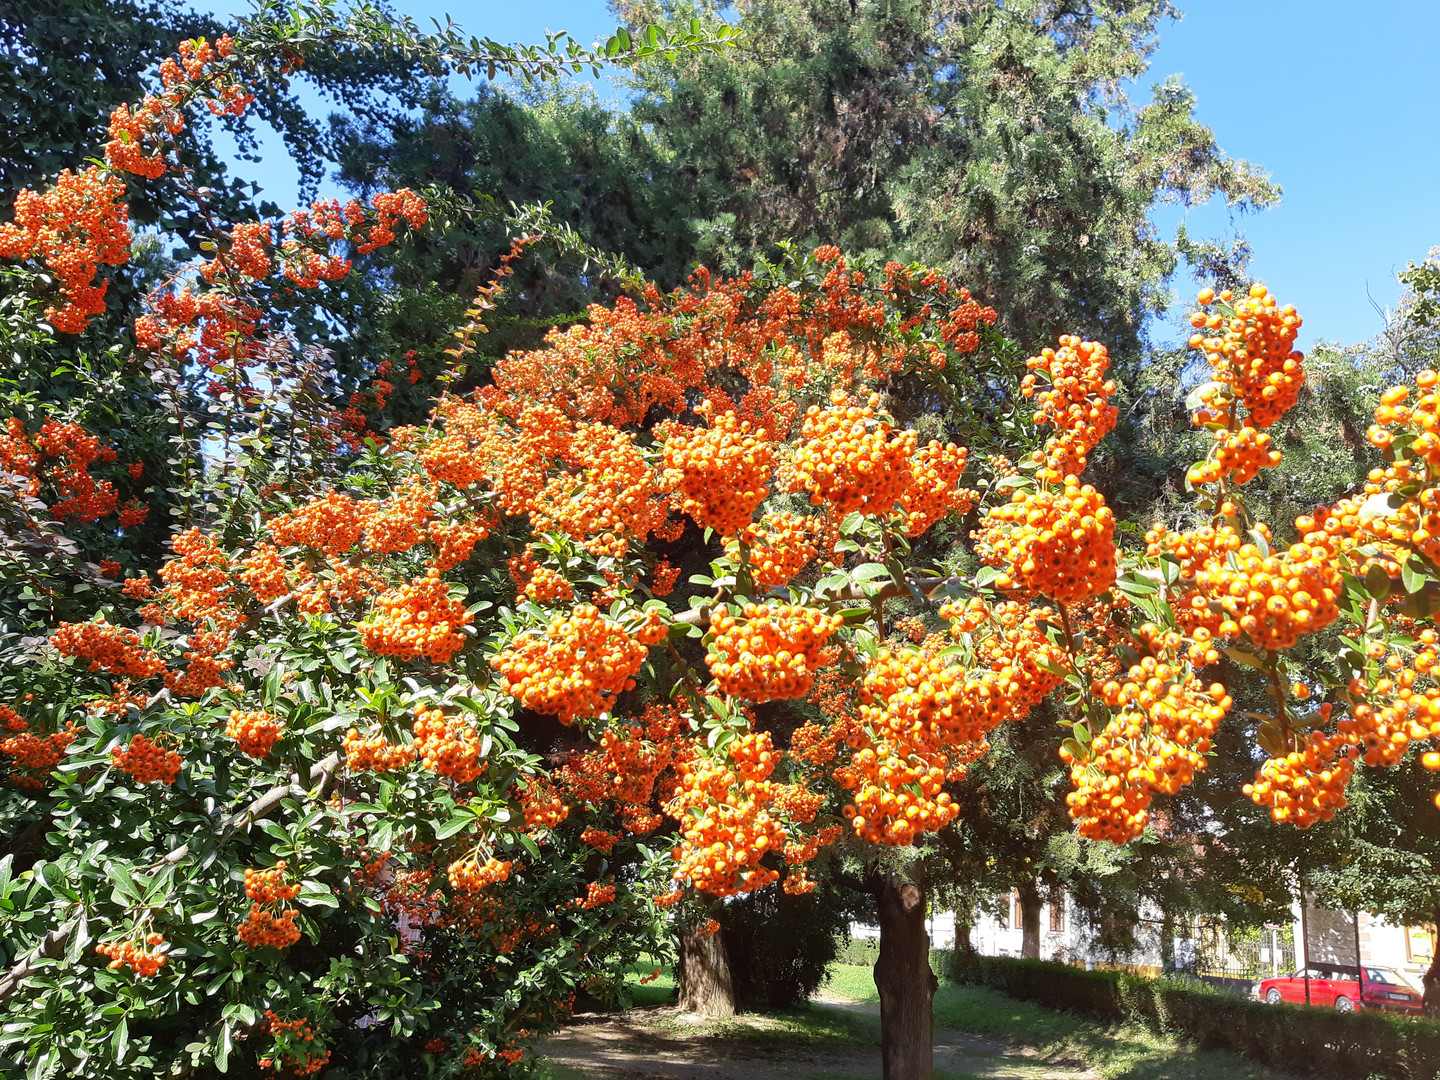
<point x="1029" y="920"/>
<point x="703" y="977"/>
<point x="1167" y="942"/>
<point x="1431" y="979"/>
<point x="963" y="927"/>
<point x="905" y="982"/>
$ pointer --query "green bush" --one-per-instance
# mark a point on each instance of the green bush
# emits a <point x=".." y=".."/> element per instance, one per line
<point x="1295" y="1038"/>
<point x="780" y="945"/>
<point x="860" y="952"/>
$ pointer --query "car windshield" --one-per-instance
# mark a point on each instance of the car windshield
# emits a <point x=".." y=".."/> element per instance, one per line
<point x="1391" y="977"/>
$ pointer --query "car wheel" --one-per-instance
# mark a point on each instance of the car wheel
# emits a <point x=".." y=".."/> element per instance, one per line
<point x="1273" y="996"/>
<point x="1344" y="1004"/>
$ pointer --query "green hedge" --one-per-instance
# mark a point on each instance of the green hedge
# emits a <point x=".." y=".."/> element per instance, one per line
<point x="863" y="952"/>
<point x="860" y="952"/>
<point x="1292" y="1038"/>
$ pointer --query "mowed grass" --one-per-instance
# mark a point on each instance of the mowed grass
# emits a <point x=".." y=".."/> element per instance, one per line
<point x="1119" y="1052"/>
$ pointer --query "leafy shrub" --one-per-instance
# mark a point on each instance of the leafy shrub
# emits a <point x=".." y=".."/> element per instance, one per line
<point x="780" y="945"/>
<point x="860" y="952"/>
<point x="1296" y="1038"/>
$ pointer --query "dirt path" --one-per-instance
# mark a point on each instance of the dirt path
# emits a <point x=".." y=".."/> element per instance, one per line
<point x="661" y="1043"/>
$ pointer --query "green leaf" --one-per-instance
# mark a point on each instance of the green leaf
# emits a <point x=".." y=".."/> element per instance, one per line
<point x="986" y="575"/>
<point x="454" y="826"/>
<point x="1044" y="662"/>
<point x="120" y="1041"/>
<point x="869" y="572"/>
<point x="1412" y="575"/>
<point x="1377" y="581"/>
<point x="1193" y="399"/>
<point x="1242" y="656"/>
<point x="314" y="894"/>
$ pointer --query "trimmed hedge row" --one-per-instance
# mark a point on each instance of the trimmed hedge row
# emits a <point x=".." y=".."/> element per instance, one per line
<point x="863" y="952"/>
<point x="1292" y="1038"/>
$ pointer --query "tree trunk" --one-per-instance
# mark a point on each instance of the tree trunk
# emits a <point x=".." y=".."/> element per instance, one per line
<point x="963" y="928"/>
<point x="905" y="982"/>
<point x="1431" y="979"/>
<point x="1029" y="921"/>
<point x="703" y="977"/>
<point x="1167" y="942"/>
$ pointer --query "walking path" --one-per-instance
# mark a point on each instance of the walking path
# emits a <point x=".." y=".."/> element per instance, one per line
<point x="662" y="1043"/>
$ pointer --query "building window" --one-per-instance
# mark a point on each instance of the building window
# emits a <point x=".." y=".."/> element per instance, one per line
<point x="1003" y="917"/>
<point x="1019" y="911"/>
<point x="1057" y="911"/>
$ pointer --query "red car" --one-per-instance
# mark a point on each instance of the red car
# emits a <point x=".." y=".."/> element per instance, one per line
<point x="1342" y="988"/>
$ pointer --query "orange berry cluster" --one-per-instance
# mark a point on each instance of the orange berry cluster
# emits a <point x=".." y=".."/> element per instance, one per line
<point x="78" y="225"/>
<point x="262" y="571"/>
<point x="599" y="839"/>
<point x="780" y="546"/>
<point x="849" y="461"/>
<point x="270" y="920"/>
<point x="30" y="751"/>
<point x="132" y="132"/>
<point x="912" y="628"/>
<point x="268" y="886"/>
<point x="773" y="653"/>
<point x="255" y="732"/>
<point x="1156" y="741"/>
<point x="1307" y="784"/>
<point x="82" y="496"/>
<point x="539" y="583"/>
<point x="1422" y="417"/>
<point x="414" y="620"/>
<point x="144" y="962"/>
<point x="1058" y="543"/>
<point x="295" y="1052"/>
<point x="580" y="666"/>
<point x="1076" y="404"/>
<point x="262" y="927"/>
<point x="934" y="491"/>
<point x="596" y="895"/>
<point x="470" y="875"/>
<point x="447" y="747"/>
<point x="626" y="766"/>
<point x="1275" y="599"/>
<point x="1395" y="713"/>
<point x="605" y="496"/>
<point x="146" y="762"/>
<point x="455" y="540"/>
<point x="1239" y="455"/>
<point x="664" y="577"/>
<point x="542" y="806"/>
<point x="726" y="828"/>
<point x="722" y="472"/>
<point x="108" y="648"/>
<point x="916" y="710"/>
<point x="332" y="524"/>
<point x="1252" y="351"/>
<point x="374" y="754"/>
<point x="206" y="666"/>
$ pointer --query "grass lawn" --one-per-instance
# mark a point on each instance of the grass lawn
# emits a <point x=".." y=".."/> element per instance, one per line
<point x="1121" y="1052"/>
<point x="812" y="1041"/>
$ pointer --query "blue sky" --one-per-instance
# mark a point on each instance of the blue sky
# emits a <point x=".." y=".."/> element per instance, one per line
<point x="1330" y="97"/>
